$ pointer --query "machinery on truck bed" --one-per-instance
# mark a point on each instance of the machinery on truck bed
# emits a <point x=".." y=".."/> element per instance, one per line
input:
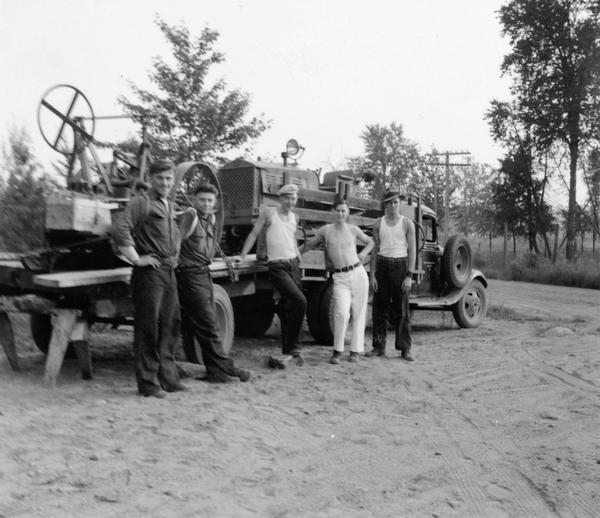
<point x="78" y="280"/>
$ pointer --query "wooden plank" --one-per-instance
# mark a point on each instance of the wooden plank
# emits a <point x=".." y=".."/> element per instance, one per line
<point x="28" y="303"/>
<point x="62" y="325"/>
<point x="94" y="277"/>
<point x="82" y="278"/>
<point x="328" y="197"/>
<point x="327" y="217"/>
<point x="82" y="349"/>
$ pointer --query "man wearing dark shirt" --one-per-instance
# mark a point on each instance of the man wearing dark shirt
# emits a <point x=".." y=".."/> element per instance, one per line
<point x="147" y="236"/>
<point x="196" y="294"/>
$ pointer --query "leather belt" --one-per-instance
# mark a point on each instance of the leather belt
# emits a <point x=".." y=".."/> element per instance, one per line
<point x="284" y="261"/>
<point x="347" y="268"/>
<point x="168" y="261"/>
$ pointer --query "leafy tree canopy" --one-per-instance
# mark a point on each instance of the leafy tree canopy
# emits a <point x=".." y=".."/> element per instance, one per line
<point x="188" y="118"/>
<point x="389" y="157"/>
<point x="22" y="198"/>
<point x="555" y="67"/>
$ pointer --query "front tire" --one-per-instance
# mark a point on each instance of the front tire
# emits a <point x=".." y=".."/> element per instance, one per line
<point x="471" y="309"/>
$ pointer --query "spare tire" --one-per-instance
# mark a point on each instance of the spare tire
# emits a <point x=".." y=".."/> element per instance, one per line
<point x="457" y="261"/>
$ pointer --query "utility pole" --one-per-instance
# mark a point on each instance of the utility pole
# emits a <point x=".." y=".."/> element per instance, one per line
<point x="447" y="164"/>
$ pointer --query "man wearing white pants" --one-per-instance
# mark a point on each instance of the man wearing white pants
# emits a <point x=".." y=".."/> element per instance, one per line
<point x="350" y="280"/>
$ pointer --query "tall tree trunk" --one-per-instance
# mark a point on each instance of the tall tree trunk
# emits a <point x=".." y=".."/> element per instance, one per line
<point x="572" y="209"/>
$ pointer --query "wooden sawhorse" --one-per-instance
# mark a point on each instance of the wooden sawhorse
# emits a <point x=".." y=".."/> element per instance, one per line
<point x="68" y="326"/>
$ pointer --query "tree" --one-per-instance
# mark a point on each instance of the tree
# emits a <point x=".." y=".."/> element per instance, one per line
<point x="511" y="128"/>
<point x="518" y="200"/>
<point x="592" y="180"/>
<point x="388" y="158"/>
<point x="189" y="119"/>
<point x="22" y="199"/>
<point x="471" y="206"/>
<point x="555" y="66"/>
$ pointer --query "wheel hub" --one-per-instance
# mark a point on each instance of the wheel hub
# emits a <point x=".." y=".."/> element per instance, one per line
<point x="472" y="303"/>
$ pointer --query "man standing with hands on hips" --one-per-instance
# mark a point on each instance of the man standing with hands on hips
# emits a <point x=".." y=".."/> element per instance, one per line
<point x="283" y="259"/>
<point x="392" y="267"/>
<point x="147" y="235"/>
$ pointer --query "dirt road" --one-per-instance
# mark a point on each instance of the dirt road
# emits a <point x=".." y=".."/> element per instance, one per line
<point x="497" y="421"/>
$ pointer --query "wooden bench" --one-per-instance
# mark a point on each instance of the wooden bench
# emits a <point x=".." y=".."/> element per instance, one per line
<point x="68" y="326"/>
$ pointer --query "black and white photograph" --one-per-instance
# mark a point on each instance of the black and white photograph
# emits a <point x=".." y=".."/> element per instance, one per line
<point x="322" y="259"/>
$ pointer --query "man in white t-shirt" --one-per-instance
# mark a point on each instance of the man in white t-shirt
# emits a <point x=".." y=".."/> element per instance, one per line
<point x="283" y="260"/>
<point x="392" y="269"/>
<point x="350" y="279"/>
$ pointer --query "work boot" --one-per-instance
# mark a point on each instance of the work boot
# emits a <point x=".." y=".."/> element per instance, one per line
<point x="407" y="357"/>
<point x="335" y="358"/>
<point x="353" y="357"/>
<point x="157" y="393"/>
<point x="298" y="358"/>
<point x="375" y="352"/>
<point x="175" y="387"/>
<point x="243" y="374"/>
<point x="216" y="376"/>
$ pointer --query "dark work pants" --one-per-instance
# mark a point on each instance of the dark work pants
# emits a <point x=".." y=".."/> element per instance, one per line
<point x="198" y="317"/>
<point x="285" y="276"/>
<point x="390" y="300"/>
<point x="154" y="293"/>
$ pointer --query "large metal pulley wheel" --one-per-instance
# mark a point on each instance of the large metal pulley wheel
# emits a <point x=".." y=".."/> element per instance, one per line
<point x="66" y="119"/>
<point x="188" y="176"/>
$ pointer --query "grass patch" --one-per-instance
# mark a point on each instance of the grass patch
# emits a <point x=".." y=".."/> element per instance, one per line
<point x="507" y="313"/>
<point x="583" y="272"/>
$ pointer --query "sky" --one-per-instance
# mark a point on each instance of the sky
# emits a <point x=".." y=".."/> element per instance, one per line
<point x="319" y="70"/>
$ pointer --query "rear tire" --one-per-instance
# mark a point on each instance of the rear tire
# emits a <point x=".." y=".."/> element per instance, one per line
<point x="457" y="261"/>
<point x="225" y="322"/>
<point x="254" y="314"/>
<point x="471" y="309"/>
<point x="41" y="332"/>
<point x="225" y="317"/>
<point x="319" y="313"/>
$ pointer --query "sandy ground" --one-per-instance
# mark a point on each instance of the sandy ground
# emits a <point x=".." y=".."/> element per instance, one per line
<point x="497" y="421"/>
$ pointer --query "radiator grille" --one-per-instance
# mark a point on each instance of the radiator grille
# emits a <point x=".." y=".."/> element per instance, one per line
<point x="240" y="189"/>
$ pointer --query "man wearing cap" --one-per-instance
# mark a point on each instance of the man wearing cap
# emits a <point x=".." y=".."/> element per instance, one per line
<point x="392" y="268"/>
<point x="283" y="259"/>
<point x="350" y="280"/>
<point x="147" y="236"/>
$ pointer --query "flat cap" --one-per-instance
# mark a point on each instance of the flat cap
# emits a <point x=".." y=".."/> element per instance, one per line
<point x="389" y="196"/>
<point x="288" y="188"/>
<point x="161" y="165"/>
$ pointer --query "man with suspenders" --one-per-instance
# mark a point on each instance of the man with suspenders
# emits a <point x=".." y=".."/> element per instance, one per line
<point x="195" y="285"/>
<point x="283" y="259"/>
<point x="392" y="268"/>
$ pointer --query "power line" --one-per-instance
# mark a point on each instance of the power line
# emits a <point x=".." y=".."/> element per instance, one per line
<point x="447" y="164"/>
